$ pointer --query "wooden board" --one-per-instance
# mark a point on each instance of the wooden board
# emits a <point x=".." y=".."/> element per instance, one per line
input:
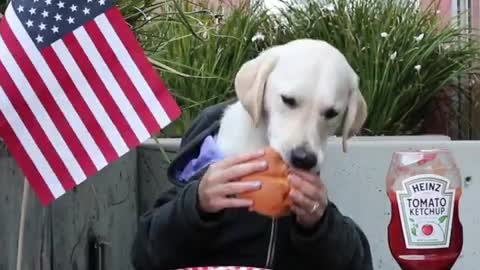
<point x="63" y="236"/>
<point x="10" y="197"/>
<point x="152" y="168"/>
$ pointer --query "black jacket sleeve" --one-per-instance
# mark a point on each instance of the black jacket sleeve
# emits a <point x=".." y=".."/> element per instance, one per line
<point x="336" y="239"/>
<point x="173" y="232"/>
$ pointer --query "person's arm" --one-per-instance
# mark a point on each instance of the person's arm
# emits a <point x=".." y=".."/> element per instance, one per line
<point x="335" y="243"/>
<point x="174" y="232"/>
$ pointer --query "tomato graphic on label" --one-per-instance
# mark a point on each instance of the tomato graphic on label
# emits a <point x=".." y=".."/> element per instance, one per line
<point x="427" y="229"/>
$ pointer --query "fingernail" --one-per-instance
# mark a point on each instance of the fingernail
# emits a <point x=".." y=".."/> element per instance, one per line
<point x="261" y="152"/>
<point x="257" y="184"/>
<point x="263" y="164"/>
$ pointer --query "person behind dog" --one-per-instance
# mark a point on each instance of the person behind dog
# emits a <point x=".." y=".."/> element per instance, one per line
<point x="197" y="223"/>
<point x="292" y="98"/>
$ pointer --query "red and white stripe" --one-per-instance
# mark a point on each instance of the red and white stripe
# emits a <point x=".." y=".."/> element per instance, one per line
<point x="79" y="104"/>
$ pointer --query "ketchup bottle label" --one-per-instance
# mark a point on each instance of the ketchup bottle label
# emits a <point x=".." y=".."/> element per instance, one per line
<point x="426" y="211"/>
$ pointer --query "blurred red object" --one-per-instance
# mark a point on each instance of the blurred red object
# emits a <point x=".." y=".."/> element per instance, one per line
<point x="223" y="268"/>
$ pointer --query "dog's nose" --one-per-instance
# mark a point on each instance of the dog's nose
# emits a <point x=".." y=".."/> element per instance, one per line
<point x="303" y="159"/>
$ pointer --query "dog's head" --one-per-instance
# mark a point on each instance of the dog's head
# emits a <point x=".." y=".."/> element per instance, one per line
<point x="302" y="92"/>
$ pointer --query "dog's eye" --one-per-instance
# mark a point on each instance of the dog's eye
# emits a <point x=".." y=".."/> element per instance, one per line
<point x="330" y="113"/>
<point x="289" y="101"/>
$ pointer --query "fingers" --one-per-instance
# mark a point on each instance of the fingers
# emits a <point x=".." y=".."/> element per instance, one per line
<point x="234" y="203"/>
<point x="237" y="171"/>
<point x="235" y="188"/>
<point x="298" y="211"/>
<point x="300" y="201"/>
<point x="216" y="198"/>
<point x="312" y="178"/>
<point x="219" y="183"/>
<point x="309" y="198"/>
<point x="306" y="187"/>
<point x="228" y="162"/>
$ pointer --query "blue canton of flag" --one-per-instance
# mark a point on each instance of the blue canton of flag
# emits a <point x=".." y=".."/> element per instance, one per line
<point x="47" y="21"/>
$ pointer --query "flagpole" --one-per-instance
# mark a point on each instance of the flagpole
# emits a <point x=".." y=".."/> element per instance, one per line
<point x="21" y="230"/>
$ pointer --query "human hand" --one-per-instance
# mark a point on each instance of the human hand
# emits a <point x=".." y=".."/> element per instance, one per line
<point x="220" y="184"/>
<point x="309" y="197"/>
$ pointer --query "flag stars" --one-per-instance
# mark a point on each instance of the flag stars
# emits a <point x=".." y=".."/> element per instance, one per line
<point x="45" y="20"/>
<point x="29" y="23"/>
<point x="39" y="39"/>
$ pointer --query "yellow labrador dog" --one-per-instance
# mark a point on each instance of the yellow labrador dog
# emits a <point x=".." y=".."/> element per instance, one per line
<point x="292" y="97"/>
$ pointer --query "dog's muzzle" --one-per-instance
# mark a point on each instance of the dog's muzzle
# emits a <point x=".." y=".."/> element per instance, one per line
<point x="303" y="159"/>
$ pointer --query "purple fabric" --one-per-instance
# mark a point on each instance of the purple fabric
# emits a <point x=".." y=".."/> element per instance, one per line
<point x="209" y="153"/>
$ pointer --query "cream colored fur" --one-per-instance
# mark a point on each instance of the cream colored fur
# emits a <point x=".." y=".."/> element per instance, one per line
<point x="313" y="73"/>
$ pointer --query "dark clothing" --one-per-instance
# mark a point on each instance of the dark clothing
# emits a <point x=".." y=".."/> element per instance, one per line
<point x="176" y="234"/>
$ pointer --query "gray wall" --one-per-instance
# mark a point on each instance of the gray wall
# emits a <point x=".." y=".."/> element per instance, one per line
<point x="356" y="182"/>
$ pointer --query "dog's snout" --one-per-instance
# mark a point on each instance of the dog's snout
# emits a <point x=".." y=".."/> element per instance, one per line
<point x="301" y="158"/>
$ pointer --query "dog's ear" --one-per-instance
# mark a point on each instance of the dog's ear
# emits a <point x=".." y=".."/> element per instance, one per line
<point x="355" y="115"/>
<point x="250" y="84"/>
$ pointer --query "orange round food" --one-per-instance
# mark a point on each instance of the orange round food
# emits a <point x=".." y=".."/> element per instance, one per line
<point x="272" y="199"/>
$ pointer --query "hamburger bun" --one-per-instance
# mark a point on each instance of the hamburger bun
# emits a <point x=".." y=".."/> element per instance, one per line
<point x="272" y="198"/>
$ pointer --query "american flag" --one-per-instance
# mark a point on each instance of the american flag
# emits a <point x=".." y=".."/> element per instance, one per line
<point x="76" y="91"/>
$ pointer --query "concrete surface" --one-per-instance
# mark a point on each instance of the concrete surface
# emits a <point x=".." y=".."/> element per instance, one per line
<point x="356" y="183"/>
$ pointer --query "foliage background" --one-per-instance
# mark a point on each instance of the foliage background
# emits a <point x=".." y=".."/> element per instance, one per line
<point x="199" y="62"/>
<point x="404" y="57"/>
<point x="3" y="5"/>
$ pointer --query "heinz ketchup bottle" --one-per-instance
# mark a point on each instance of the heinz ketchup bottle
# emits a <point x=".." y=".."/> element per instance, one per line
<point x="424" y="188"/>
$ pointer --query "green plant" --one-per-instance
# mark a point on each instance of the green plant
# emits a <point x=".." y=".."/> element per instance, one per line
<point x="199" y="51"/>
<point x="136" y="11"/>
<point x="3" y="6"/>
<point x="403" y="56"/>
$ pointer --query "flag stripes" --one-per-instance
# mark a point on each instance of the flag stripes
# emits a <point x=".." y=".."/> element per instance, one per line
<point x="112" y="144"/>
<point x="37" y="119"/>
<point x="123" y="79"/>
<point x="149" y="74"/>
<point x="27" y="153"/>
<point x="97" y="145"/>
<point x="45" y="97"/>
<point x="144" y="88"/>
<point x="69" y="109"/>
